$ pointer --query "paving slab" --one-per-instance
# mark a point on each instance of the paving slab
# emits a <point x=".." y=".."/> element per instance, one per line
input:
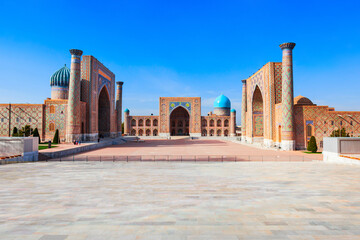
<point x="177" y="200"/>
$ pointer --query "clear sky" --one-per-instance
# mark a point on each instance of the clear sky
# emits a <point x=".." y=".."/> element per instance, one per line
<point x="182" y="48"/>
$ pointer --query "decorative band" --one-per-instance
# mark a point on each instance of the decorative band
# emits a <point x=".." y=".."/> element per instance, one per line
<point x="75" y="60"/>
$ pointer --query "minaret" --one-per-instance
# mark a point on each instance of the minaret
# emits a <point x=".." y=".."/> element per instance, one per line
<point x="232" y="123"/>
<point x="243" y="111"/>
<point x="119" y="106"/>
<point x="73" y="125"/>
<point x="127" y="122"/>
<point x="287" y="105"/>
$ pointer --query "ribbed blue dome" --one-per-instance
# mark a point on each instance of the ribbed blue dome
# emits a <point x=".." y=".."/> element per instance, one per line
<point x="233" y="110"/>
<point x="127" y="110"/>
<point x="222" y="102"/>
<point x="61" y="77"/>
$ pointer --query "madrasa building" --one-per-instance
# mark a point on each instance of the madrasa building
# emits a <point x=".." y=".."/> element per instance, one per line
<point x="181" y="116"/>
<point x="83" y="105"/>
<point x="86" y="103"/>
<point x="270" y="114"/>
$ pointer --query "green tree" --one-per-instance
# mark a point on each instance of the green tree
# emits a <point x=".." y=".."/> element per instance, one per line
<point x="122" y="128"/>
<point x="56" y="137"/>
<point x="339" y="133"/>
<point x="36" y="134"/>
<point x="15" y="132"/>
<point x="27" y="130"/>
<point x="312" y="147"/>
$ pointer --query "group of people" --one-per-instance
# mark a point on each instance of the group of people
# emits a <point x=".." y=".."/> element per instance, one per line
<point x="77" y="142"/>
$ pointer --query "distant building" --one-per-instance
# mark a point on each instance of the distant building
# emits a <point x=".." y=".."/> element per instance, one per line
<point x="182" y="116"/>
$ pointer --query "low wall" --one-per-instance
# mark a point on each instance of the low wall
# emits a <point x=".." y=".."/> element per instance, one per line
<point x="26" y="147"/>
<point x="336" y="148"/>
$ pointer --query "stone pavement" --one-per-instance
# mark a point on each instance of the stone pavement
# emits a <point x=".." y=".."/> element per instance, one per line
<point x="199" y="147"/>
<point x="174" y="200"/>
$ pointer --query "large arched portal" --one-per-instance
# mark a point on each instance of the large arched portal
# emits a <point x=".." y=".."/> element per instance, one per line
<point x="104" y="113"/>
<point x="257" y="110"/>
<point x="179" y="119"/>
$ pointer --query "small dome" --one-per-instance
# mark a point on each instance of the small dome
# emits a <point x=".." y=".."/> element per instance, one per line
<point x="300" y="100"/>
<point x="127" y="110"/>
<point x="61" y="77"/>
<point x="222" y="102"/>
<point x="233" y="110"/>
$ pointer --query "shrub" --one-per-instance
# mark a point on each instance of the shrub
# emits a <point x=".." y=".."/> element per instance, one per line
<point x="15" y="132"/>
<point x="312" y="147"/>
<point x="36" y="134"/>
<point x="56" y="136"/>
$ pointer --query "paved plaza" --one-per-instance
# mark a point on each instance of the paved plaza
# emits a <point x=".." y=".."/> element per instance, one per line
<point x="200" y="147"/>
<point x="177" y="200"/>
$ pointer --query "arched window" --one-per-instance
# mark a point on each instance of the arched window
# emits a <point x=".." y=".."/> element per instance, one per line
<point x="226" y="133"/>
<point x="133" y="132"/>
<point x="218" y="133"/>
<point x="226" y="123"/>
<point x="211" y="122"/>
<point x="148" y="132"/>
<point x="155" y="132"/>
<point x="204" y="123"/>
<point x="141" y="132"/>
<point x="204" y="133"/>
<point x="141" y="122"/>
<point x="309" y="130"/>
<point x="52" y="109"/>
<point x="52" y="127"/>
<point x="212" y="132"/>
<point x="133" y="122"/>
<point x="155" y="122"/>
<point x="218" y="123"/>
<point x="186" y="123"/>
<point x="148" y="122"/>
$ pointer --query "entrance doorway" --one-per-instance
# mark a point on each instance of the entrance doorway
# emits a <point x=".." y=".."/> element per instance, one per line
<point x="179" y="122"/>
<point x="104" y="113"/>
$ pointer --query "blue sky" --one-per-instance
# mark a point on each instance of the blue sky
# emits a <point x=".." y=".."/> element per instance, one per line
<point x="182" y="48"/>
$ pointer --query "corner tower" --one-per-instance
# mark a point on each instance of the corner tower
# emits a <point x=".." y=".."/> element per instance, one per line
<point x="73" y="128"/>
<point x="119" y="107"/>
<point x="287" y="105"/>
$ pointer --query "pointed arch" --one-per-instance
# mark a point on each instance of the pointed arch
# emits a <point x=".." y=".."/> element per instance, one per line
<point x="257" y="110"/>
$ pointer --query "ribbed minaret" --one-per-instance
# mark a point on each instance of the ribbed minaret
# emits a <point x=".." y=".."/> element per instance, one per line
<point x="127" y="122"/>
<point x="232" y="123"/>
<point x="243" y="111"/>
<point x="119" y="106"/>
<point x="287" y="104"/>
<point x="73" y="125"/>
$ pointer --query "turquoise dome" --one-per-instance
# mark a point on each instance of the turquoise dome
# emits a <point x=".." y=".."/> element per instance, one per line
<point x="222" y="102"/>
<point x="233" y="110"/>
<point x="61" y="77"/>
<point x="127" y="110"/>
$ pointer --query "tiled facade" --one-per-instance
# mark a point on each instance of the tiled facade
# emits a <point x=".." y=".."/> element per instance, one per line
<point x="94" y="81"/>
<point x="188" y="121"/>
<point x="308" y="119"/>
